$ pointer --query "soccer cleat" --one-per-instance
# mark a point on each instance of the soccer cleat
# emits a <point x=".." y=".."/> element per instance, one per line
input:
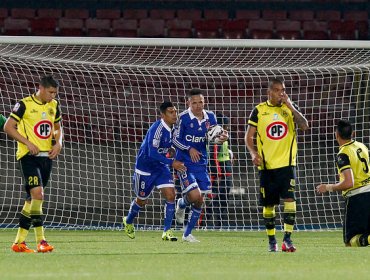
<point x="180" y="213"/>
<point x="129" y="228"/>
<point x="44" y="247"/>
<point x="273" y="247"/>
<point x="190" y="238"/>
<point x="21" y="248"/>
<point x="168" y="236"/>
<point x="288" y="246"/>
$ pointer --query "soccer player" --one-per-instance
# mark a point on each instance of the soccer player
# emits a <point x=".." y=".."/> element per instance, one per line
<point x="34" y="122"/>
<point x="152" y="170"/>
<point x="354" y="170"/>
<point x="274" y="123"/>
<point x="2" y="121"/>
<point x="191" y="143"/>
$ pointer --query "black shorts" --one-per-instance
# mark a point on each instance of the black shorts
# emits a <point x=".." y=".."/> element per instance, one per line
<point x="277" y="183"/>
<point x="357" y="216"/>
<point x="36" y="171"/>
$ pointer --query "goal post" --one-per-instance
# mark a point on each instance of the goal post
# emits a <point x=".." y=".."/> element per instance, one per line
<point x="110" y="89"/>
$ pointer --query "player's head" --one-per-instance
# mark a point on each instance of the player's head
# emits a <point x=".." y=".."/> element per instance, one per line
<point x="196" y="101"/>
<point x="48" y="89"/>
<point x="344" y="130"/>
<point x="276" y="90"/>
<point x="168" y="112"/>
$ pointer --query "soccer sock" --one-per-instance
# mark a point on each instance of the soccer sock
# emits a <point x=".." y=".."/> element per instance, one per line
<point x="183" y="202"/>
<point x="289" y="218"/>
<point x="37" y="222"/>
<point x="360" y="240"/>
<point x="24" y="223"/>
<point x="194" y="216"/>
<point x="269" y="218"/>
<point x="169" y="212"/>
<point x="133" y="212"/>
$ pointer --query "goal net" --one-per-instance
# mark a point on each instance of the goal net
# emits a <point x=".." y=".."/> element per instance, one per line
<point x="109" y="94"/>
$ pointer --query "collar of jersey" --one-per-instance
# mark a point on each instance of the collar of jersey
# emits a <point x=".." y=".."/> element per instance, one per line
<point x="33" y="96"/>
<point x="348" y="143"/>
<point x="192" y="116"/>
<point x="270" y="104"/>
<point x="165" y="125"/>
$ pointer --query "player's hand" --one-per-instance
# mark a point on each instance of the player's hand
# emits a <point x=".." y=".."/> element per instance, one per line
<point x="55" y="150"/>
<point x="286" y="100"/>
<point x="256" y="159"/>
<point x="179" y="165"/>
<point x="34" y="150"/>
<point x="223" y="137"/>
<point x="322" y="188"/>
<point x="194" y="154"/>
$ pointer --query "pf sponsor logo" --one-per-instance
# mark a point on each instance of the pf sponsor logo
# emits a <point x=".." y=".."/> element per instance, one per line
<point x="277" y="130"/>
<point x="43" y="129"/>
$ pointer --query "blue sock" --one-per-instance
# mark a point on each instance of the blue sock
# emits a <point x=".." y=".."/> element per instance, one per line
<point x="194" y="217"/>
<point x="134" y="210"/>
<point x="169" y="212"/>
<point x="183" y="202"/>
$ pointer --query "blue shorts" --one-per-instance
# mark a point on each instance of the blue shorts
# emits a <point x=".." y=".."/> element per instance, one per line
<point x="192" y="180"/>
<point x="144" y="183"/>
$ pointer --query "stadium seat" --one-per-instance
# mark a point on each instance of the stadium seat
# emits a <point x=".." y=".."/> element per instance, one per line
<point x="16" y="27"/>
<point x="315" y="30"/>
<point x="76" y="13"/>
<point x="49" y="13"/>
<point x="165" y="14"/>
<point x="234" y="29"/>
<point x="261" y="29"/>
<point x="178" y="28"/>
<point x="43" y="26"/>
<point x="190" y="14"/>
<point x="361" y="19"/>
<point x="248" y="14"/>
<point x="108" y="13"/>
<point x="151" y="27"/>
<point x="216" y="14"/>
<point x="274" y="15"/>
<point x="3" y="13"/>
<point x="207" y="28"/>
<point x="124" y="27"/>
<point x="345" y="30"/>
<point x="328" y="15"/>
<point x="23" y="13"/>
<point x="98" y="27"/>
<point x="301" y="15"/>
<point x="288" y="29"/>
<point x="135" y="14"/>
<point x="70" y="27"/>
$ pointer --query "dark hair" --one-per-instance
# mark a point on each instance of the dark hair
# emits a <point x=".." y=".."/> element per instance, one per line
<point x="194" y="91"/>
<point x="49" y="81"/>
<point x="163" y="107"/>
<point x="274" y="81"/>
<point x="344" y="129"/>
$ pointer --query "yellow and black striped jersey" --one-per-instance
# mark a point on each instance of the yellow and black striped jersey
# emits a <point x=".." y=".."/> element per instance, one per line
<point x="276" y="135"/>
<point x="354" y="155"/>
<point x="36" y="123"/>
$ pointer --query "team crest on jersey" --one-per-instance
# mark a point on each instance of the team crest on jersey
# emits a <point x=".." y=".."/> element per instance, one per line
<point x="43" y="129"/>
<point x="43" y="115"/>
<point x="277" y="130"/>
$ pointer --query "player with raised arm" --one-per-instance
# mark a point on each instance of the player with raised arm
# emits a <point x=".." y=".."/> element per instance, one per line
<point x="34" y="122"/>
<point x="191" y="143"/>
<point x="354" y="170"/>
<point x="274" y="122"/>
<point x="152" y="170"/>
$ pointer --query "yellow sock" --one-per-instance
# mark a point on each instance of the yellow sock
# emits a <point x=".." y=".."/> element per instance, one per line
<point x="290" y="208"/>
<point x="36" y="207"/>
<point x="22" y="232"/>
<point x="39" y="234"/>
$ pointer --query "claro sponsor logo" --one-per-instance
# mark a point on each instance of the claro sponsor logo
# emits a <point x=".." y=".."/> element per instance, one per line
<point x="194" y="139"/>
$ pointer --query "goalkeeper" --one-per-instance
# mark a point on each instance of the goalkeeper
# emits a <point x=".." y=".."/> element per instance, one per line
<point x="274" y="123"/>
<point x="354" y="170"/>
<point x="152" y="170"/>
<point x="34" y="122"/>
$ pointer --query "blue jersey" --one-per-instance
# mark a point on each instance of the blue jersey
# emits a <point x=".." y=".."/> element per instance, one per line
<point x="191" y="133"/>
<point x="153" y="150"/>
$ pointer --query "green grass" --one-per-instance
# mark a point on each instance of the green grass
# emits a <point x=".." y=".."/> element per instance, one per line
<point x="219" y="255"/>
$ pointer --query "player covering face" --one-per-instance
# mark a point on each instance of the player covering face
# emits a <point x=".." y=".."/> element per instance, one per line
<point x="152" y="170"/>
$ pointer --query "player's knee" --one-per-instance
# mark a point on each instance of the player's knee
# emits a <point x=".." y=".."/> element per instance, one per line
<point x="141" y="202"/>
<point x="37" y="193"/>
<point x="268" y="212"/>
<point x="170" y="195"/>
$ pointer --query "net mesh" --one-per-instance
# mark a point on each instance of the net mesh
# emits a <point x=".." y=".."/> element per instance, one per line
<point x="109" y="95"/>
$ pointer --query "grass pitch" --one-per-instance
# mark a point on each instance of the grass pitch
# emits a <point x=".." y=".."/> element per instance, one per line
<point x="219" y="255"/>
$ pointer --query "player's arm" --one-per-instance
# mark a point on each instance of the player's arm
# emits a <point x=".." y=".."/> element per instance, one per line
<point x="249" y="138"/>
<point x="347" y="175"/>
<point x="299" y="119"/>
<point x="180" y="144"/>
<point x="58" y="136"/>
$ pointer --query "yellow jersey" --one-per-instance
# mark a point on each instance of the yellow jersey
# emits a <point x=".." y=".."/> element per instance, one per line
<point x="36" y="123"/>
<point x="276" y="135"/>
<point x="354" y="155"/>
